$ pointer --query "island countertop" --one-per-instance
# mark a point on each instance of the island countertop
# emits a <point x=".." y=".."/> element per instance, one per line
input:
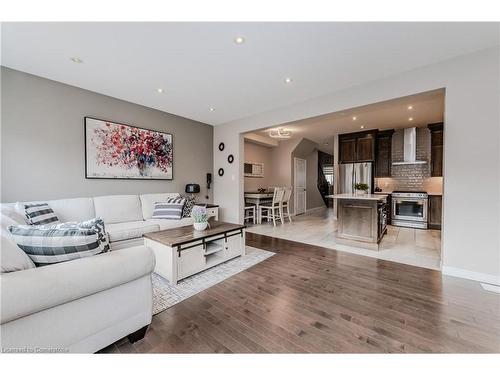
<point x="371" y="197"/>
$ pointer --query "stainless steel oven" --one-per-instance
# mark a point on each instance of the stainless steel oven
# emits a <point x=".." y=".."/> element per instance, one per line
<point x="409" y="209"/>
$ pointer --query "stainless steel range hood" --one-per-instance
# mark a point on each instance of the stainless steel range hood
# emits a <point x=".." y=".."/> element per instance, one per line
<point x="410" y="148"/>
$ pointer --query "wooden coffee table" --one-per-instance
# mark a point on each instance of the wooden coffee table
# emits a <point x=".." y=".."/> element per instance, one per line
<point x="182" y="252"/>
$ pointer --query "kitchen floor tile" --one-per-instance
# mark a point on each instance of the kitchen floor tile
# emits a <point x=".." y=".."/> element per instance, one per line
<point x="416" y="247"/>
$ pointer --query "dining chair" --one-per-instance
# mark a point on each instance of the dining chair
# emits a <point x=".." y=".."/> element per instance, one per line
<point x="273" y="210"/>
<point x="250" y="213"/>
<point x="285" y="203"/>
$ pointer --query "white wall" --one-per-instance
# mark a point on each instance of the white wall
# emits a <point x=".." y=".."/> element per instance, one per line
<point x="471" y="160"/>
<point x="259" y="154"/>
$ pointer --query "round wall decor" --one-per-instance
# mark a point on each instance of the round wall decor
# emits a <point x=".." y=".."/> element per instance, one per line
<point x="230" y="158"/>
<point x="221" y="172"/>
<point x="221" y="146"/>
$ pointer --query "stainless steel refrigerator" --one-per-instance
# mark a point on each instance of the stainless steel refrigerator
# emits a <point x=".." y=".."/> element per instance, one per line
<point x="354" y="173"/>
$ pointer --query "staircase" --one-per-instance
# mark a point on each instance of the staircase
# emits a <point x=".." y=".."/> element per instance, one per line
<point x="325" y="176"/>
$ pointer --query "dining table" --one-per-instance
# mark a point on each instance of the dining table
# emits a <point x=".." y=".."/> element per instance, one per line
<point x="257" y="198"/>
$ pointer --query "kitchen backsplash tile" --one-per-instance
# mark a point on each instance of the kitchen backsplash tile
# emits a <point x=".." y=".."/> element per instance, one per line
<point x="413" y="177"/>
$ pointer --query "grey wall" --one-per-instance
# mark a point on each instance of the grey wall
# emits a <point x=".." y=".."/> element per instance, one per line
<point x="42" y="144"/>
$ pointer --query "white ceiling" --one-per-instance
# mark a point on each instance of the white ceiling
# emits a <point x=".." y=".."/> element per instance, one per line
<point x="199" y="66"/>
<point x="426" y="108"/>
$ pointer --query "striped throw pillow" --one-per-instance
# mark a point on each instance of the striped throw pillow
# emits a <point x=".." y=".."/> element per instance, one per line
<point x="48" y="244"/>
<point x="39" y="214"/>
<point x="170" y="209"/>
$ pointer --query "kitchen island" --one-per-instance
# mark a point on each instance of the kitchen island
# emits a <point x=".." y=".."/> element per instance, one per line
<point x="361" y="218"/>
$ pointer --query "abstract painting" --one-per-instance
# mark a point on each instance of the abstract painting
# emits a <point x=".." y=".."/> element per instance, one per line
<point x="121" y="151"/>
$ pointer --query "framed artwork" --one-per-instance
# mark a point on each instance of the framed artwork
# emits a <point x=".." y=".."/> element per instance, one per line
<point x="119" y="151"/>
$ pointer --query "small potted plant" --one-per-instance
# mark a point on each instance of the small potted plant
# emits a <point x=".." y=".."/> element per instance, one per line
<point x="361" y="188"/>
<point x="200" y="216"/>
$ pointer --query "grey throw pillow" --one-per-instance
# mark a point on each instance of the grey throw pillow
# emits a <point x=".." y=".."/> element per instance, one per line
<point x="190" y="202"/>
<point x="170" y="209"/>
<point x="39" y="214"/>
<point x="48" y="244"/>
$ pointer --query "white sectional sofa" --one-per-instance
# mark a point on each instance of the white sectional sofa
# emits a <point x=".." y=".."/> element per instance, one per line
<point x="86" y="304"/>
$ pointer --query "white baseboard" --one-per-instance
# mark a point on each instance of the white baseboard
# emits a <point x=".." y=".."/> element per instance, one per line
<point x="314" y="209"/>
<point x="491" y="288"/>
<point x="309" y="210"/>
<point x="471" y="275"/>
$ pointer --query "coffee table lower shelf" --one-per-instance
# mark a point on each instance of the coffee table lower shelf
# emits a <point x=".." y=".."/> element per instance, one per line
<point x="176" y="262"/>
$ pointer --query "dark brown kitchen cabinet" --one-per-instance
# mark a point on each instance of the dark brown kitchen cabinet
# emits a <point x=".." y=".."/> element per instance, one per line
<point x="383" y="154"/>
<point x="435" y="211"/>
<point x="365" y="148"/>
<point x="347" y="150"/>
<point x="436" y="149"/>
<point x="357" y="147"/>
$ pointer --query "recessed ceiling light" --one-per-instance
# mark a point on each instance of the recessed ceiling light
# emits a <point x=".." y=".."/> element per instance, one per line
<point x="239" y="40"/>
<point x="212" y="109"/>
<point x="354" y="118"/>
<point x="160" y="90"/>
<point x="410" y="107"/>
<point x="362" y="126"/>
<point x="288" y="80"/>
<point x="410" y="118"/>
<point x="76" y="60"/>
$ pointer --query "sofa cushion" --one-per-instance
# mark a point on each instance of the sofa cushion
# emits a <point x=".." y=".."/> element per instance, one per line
<point x="129" y="230"/>
<point x="40" y="214"/>
<point x="73" y="209"/>
<point x="12" y="258"/>
<point x="169" y="224"/>
<point x="148" y="202"/>
<point x="48" y="244"/>
<point x="118" y="208"/>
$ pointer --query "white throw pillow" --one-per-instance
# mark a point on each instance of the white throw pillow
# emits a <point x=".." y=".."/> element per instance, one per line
<point x="12" y="258"/>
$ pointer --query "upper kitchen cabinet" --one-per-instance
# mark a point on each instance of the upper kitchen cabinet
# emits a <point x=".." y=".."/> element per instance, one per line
<point x="347" y="150"/>
<point x="357" y="147"/>
<point x="436" y="149"/>
<point x="383" y="154"/>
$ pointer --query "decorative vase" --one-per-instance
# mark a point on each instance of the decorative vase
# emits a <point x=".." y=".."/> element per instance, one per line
<point x="200" y="226"/>
<point x="361" y="192"/>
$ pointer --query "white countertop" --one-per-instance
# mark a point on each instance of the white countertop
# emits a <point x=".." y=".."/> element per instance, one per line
<point x="371" y="197"/>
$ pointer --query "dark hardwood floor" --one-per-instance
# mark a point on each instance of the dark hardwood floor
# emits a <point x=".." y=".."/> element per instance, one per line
<point x="311" y="299"/>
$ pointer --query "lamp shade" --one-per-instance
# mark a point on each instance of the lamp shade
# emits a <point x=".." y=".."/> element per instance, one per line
<point x="192" y="188"/>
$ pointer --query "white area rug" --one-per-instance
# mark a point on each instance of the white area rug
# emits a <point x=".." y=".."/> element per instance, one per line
<point x="166" y="295"/>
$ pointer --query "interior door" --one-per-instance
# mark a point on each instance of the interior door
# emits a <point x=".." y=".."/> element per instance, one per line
<point x="299" y="185"/>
